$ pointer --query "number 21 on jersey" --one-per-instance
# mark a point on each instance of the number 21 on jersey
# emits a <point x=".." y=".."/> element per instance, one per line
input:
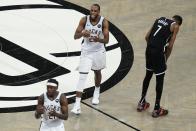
<point x="159" y="28"/>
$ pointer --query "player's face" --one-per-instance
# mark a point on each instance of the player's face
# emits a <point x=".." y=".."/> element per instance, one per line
<point x="94" y="12"/>
<point x="51" y="90"/>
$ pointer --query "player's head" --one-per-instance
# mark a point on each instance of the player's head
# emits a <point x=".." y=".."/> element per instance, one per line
<point x="178" y="19"/>
<point x="94" y="11"/>
<point x="52" y="86"/>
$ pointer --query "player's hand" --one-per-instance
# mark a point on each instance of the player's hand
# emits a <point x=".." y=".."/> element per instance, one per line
<point x="40" y="109"/>
<point x="95" y="39"/>
<point x="85" y="33"/>
<point x="52" y="113"/>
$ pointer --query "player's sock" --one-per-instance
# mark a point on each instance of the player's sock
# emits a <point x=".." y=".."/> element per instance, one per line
<point x="78" y="100"/>
<point x="96" y="93"/>
<point x="145" y="85"/>
<point x="159" y="89"/>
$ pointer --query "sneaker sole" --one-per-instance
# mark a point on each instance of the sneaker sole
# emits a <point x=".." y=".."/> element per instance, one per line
<point x="95" y="103"/>
<point x="76" y="113"/>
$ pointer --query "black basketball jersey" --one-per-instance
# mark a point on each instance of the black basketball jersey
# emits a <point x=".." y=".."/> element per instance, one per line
<point x="160" y="34"/>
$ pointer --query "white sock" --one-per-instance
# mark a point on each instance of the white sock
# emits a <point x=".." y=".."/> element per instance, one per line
<point x="96" y="92"/>
<point x="78" y="99"/>
<point x="97" y="88"/>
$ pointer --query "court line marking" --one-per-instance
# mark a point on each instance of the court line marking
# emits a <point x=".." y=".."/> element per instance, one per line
<point x="114" y="118"/>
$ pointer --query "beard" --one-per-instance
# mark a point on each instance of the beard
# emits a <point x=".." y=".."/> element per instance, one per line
<point x="93" y="17"/>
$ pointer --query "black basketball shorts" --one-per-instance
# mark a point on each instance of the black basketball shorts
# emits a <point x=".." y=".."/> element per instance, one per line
<point x="155" y="61"/>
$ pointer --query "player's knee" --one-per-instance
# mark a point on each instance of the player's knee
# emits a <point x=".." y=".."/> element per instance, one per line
<point x="97" y="73"/>
<point x="83" y="76"/>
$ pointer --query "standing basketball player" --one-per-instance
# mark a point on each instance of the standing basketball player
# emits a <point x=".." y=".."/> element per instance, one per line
<point x="52" y="107"/>
<point x="95" y="31"/>
<point x="160" y="40"/>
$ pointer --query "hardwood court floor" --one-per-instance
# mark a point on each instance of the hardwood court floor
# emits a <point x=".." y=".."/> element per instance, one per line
<point x="134" y="18"/>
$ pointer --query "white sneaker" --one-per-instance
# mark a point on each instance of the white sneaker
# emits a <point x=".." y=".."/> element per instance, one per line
<point x="95" y="101"/>
<point x="76" y="110"/>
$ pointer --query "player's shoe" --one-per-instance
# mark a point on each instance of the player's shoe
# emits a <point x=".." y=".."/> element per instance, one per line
<point x="95" y="100"/>
<point x="143" y="106"/>
<point x="159" y="112"/>
<point x="76" y="110"/>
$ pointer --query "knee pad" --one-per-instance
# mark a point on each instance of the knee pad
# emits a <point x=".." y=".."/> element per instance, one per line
<point x="81" y="82"/>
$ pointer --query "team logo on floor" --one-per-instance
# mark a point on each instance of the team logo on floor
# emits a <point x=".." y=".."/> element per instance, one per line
<point x="36" y="43"/>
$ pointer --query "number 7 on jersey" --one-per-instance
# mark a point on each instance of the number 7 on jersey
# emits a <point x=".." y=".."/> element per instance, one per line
<point x="159" y="28"/>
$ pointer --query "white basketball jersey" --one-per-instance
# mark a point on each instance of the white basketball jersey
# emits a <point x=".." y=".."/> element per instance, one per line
<point x="49" y="105"/>
<point x="95" y="30"/>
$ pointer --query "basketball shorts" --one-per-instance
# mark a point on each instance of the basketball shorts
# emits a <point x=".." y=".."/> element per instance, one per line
<point x="92" y="61"/>
<point x="155" y="61"/>
<point x="45" y="127"/>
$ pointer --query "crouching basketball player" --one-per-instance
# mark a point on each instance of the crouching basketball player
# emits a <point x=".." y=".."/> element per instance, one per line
<point x="160" y="41"/>
<point x="52" y="107"/>
<point x="95" y="31"/>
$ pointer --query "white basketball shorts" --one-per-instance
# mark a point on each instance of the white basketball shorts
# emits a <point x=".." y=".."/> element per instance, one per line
<point x="92" y="60"/>
<point x="44" y="127"/>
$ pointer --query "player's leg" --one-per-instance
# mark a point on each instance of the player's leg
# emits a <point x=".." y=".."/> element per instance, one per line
<point x="79" y="90"/>
<point x="99" y="63"/>
<point x="159" y="89"/>
<point x="160" y="73"/>
<point x="145" y="85"/>
<point x="96" y="93"/>
<point x="98" y="77"/>
<point x="159" y="111"/>
<point x="84" y="67"/>
<point x="142" y="104"/>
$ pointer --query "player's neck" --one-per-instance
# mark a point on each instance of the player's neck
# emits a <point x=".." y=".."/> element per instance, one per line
<point x="96" y="20"/>
<point x="52" y="97"/>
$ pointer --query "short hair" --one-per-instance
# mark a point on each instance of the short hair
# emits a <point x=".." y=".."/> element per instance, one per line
<point x="53" y="81"/>
<point x="178" y="18"/>
<point x="97" y="6"/>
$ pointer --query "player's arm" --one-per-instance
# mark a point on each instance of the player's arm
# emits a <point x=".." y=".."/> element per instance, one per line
<point x="39" y="108"/>
<point x="174" y="29"/>
<point x="64" y="109"/>
<point x="80" y="29"/>
<point x="105" y="40"/>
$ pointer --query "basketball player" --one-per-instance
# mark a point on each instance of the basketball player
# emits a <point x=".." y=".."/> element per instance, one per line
<point x="95" y="32"/>
<point x="52" y="107"/>
<point x="160" y="40"/>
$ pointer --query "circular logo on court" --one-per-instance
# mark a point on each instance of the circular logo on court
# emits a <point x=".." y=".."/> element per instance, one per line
<point x="37" y="44"/>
